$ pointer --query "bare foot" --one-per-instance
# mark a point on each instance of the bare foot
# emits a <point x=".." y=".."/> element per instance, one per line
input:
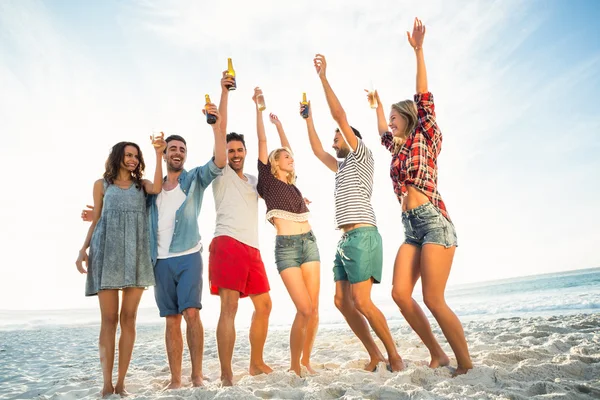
<point x="107" y="391"/>
<point x="122" y="392"/>
<point x="460" y="371"/>
<point x="259" y="369"/>
<point x="439" y="361"/>
<point x="173" y="385"/>
<point x="396" y="364"/>
<point x="226" y="382"/>
<point x="310" y="369"/>
<point x="371" y="366"/>
<point x="296" y="370"/>
<point x="197" y="381"/>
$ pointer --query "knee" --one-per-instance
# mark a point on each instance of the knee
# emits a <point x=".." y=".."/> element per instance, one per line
<point x="110" y="320"/>
<point x="402" y="298"/>
<point x="229" y="308"/>
<point x="127" y="319"/>
<point x="263" y="309"/>
<point x="434" y="302"/>
<point x="363" y="304"/>
<point x="339" y="302"/>
<point x="305" y="311"/>
<point x="191" y="315"/>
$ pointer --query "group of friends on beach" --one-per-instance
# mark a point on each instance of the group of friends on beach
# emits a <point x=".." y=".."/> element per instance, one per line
<point x="145" y="233"/>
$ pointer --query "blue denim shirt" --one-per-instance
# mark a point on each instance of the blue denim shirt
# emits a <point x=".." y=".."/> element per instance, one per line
<point x="186" y="234"/>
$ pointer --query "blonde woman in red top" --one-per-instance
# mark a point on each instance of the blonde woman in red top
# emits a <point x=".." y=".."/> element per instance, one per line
<point x="415" y="141"/>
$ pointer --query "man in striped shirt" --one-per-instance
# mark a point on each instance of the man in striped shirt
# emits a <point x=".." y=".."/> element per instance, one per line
<point x="359" y="255"/>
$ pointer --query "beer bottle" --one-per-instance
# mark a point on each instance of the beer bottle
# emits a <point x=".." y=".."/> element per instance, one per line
<point x="231" y="72"/>
<point x="305" y="104"/>
<point x="210" y="118"/>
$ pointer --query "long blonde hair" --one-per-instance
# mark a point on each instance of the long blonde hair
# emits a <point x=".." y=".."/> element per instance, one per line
<point x="407" y="110"/>
<point x="274" y="157"/>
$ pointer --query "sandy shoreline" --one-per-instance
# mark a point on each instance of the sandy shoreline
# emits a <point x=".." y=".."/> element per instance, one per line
<point x="515" y="358"/>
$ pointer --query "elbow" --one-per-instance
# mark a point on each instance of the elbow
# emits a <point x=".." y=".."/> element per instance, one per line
<point x="220" y="162"/>
<point x="338" y="115"/>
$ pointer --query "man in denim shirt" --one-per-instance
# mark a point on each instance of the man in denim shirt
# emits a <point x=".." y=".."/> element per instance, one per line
<point x="175" y="249"/>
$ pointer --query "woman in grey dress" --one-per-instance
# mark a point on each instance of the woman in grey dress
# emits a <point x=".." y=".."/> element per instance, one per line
<point x="119" y="257"/>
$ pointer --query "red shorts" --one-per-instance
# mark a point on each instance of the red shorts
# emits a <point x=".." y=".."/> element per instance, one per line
<point x="236" y="266"/>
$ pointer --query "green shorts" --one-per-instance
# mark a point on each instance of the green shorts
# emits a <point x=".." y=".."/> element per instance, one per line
<point x="359" y="256"/>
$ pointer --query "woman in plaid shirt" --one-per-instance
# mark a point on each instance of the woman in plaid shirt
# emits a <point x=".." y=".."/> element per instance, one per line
<point x="415" y="141"/>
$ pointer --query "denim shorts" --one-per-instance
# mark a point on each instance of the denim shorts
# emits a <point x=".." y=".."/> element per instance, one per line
<point x="295" y="250"/>
<point x="426" y="224"/>
<point x="178" y="283"/>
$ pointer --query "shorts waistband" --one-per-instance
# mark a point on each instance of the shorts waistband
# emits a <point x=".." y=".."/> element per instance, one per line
<point x="417" y="210"/>
<point x="299" y="236"/>
<point x="362" y="229"/>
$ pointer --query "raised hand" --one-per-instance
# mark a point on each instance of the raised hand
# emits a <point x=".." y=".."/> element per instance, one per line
<point x="213" y="110"/>
<point x="320" y="65"/>
<point x="274" y="119"/>
<point x="303" y="107"/>
<point x="375" y="94"/>
<point x="418" y="34"/>
<point x="82" y="258"/>
<point x="226" y="81"/>
<point x="257" y="91"/>
<point x="159" y="142"/>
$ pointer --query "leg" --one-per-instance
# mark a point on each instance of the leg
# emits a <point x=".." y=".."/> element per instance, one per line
<point x="129" y="307"/>
<point x="226" y="333"/>
<point x="258" y="333"/>
<point x="361" y="293"/>
<point x="174" y="343"/>
<point x="109" y="310"/>
<point x="294" y="283"/>
<point x="195" y="340"/>
<point x="311" y="273"/>
<point x="436" y="261"/>
<point x="406" y="273"/>
<point x="345" y="303"/>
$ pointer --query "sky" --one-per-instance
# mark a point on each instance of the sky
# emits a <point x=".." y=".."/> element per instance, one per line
<point x="515" y="85"/>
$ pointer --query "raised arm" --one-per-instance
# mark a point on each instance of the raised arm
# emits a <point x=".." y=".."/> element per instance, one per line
<point x="382" y="125"/>
<point x="416" y="42"/>
<point x="97" y="211"/>
<point x="282" y="137"/>
<point x="337" y="112"/>
<point x="315" y="143"/>
<point x="155" y="186"/>
<point x="226" y="81"/>
<point x="220" y="156"/>
<point x="263" y="155"/>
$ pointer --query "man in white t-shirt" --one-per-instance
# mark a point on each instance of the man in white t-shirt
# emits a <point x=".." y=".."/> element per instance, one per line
<point x="235" y="266"/>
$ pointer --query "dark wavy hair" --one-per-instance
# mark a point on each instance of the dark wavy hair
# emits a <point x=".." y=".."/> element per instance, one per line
<point x="114" y="160"/>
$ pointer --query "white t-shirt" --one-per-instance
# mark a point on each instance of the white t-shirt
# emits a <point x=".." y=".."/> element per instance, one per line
<point x="168" y="202"/>
<point x="236" y="205"/>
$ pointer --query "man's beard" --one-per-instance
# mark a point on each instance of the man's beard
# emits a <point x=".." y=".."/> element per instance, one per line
<point x="172" y="168"/>
<point x="342" y="153"/>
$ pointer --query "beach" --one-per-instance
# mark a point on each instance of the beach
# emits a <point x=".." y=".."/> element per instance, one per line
<point x="517" y="354"/>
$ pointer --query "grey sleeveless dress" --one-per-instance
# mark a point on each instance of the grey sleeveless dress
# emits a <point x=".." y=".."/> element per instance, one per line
<point x="120" y="246"/>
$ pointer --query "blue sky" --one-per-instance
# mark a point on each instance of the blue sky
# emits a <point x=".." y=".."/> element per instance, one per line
<point x="515" y="85"/>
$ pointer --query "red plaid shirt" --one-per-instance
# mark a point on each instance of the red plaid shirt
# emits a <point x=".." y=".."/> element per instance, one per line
<point x="416" y="162"/>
